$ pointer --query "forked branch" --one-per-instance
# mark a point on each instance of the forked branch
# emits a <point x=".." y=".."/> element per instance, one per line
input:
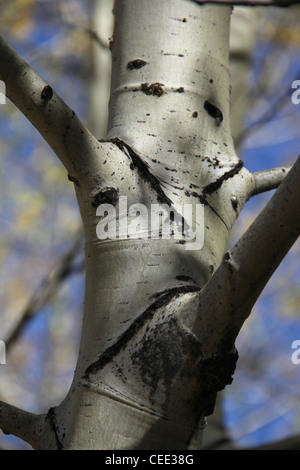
<point x="235" y="287"/>
<point x="49" y="114"/>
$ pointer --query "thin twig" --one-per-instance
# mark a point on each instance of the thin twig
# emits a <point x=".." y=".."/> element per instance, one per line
<point x="267" y="180"/>
<point x="62" y="269"/>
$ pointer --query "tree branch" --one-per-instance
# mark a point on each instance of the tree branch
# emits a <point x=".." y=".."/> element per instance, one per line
<point x="20" y="423"/>
<point x="235" y="287"/>
<point x="279" y="3"/>
<point x="48" y="113"/>
<point x="267" y="180"/>
<point x="63" y="11"/>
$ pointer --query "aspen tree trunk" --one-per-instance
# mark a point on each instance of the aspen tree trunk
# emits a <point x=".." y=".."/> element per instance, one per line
<point x="135" y="386"/>
<point x="160" y="317"/>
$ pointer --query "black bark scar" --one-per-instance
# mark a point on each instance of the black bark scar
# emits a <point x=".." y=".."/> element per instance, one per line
<point x="203" y="201"/>
<point x="105" y="196"/>
<point x="212" y="187"/>
<point x="52" y="420"/>
<point x="162" y="299"/>
<point x="154" y="89"/>
<point x="216" y="372"/>
<point x="47" y="93"/>
<point x="136" y="64"/>
<point x="184" y="278"/>
<point x="144" y="171"/>
<point x="213" y="111"/>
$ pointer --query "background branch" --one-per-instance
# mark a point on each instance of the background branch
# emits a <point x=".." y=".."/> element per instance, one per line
<point x="61" y="270"/>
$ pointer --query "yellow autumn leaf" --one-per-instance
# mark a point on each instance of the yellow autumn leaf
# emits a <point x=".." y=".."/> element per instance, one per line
<point x="31" y="207"/>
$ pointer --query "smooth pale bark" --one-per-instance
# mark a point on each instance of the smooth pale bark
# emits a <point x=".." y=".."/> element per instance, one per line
<point x="269" y="179"/>
<point x="147" y="372"/>
<point x="102" y="21"/>
<point x="168" y="148"/>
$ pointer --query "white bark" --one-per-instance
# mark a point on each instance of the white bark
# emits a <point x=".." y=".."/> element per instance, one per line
<point x="150" y="361"/>
<point x="184" y="149"/>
